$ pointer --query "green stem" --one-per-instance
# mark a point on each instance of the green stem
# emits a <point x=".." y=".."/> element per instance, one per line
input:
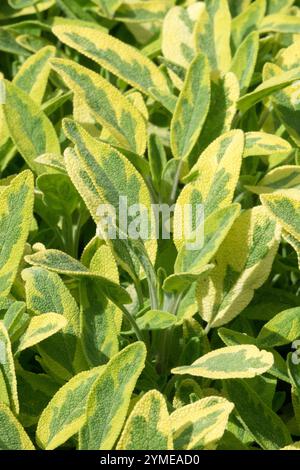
<point x="176" y="181"/>
<point x="67" y="229"/>
<point x="134" y="325"/>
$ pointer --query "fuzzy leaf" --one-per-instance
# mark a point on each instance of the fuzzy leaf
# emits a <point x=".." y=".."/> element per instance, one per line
<point x="148" y="426"/>
<point x="107" y="104"/>
<point x="231" y="362"/>
<point x="266" y="427"/>
<point x="15" y="221"/>
<point x="13" y="435"/>
<point x="243" y="263"/>
<point x="191" y="109"/>
<point x="213" y="34"/>
<point x="119" y="58"/>
<point x="66" y="412"/>
<point x="109" y="399"/>
<point x="201" y="424"/>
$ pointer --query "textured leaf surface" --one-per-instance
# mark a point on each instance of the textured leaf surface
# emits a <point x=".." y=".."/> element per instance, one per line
<point x="40" y="328"/>
<point x="265" y="426"/>
<point x="45" y="292"/>
<point x="118" y="57"/>
<point x="261" y="143"/>
<point x="13" y="435"/>
<point x="8" y="382"/>
<point x="213" y="34"/>
<point x="231" y="362"/>
<point x="148" y="427"/>
<point x="282" y="329"/>
<point x="109" y="107"/>
<point x="15" y="221"/>
<point x="29" y="127"/>
<point x="284" y="205"/>
<point x="229" y="287"/>
<point x="109" y="399"/>
<point x="191" y="109"/>
<point x="66" y="412"/>
<point x="201" y="424"/>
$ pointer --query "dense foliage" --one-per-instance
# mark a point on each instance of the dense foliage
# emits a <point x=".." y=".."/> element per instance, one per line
<point x="145" y="343"/>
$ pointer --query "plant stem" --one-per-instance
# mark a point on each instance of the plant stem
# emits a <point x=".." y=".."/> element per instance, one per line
<point x="134" y="325"/>
<point x="176" y="181"/>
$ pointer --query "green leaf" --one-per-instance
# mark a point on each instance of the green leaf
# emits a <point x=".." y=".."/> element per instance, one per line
<point x="107" y="104"/>
<point x="61" y="263"/>
<point x="244" y="361"/>
<point x="32" y="77"/>
<point x="13" y="435"/>
<point x="212" y="34"/>
<point x="45" y="292"/>
<point x="223" y="106"/>
<point x="141" y="12"/>
<point x="243" y="263"/>
<point x="41" y="327"/>
<point x="119" y="58"/>
<point x="109" y="399"/>
<point x="29" y="127"/>
<point x="266" y="427"/>
<point x="93" y="168"/>
<point x="280" y="23"/>
<point x="284" y="206"/>
<point x="66" y="412"/>
<point x="247" y="21"/>
<point x="35" y="390"/>
<point x="15" y="221"/>
<point x="178" y="43"/>
<point x="261" y="143"/>
<point x="148" y="426"/>
<point x="191" y="109"/>
<point x="268" y="87"/>
<point x="214" y="176"/>
<point x="282" y="329"/>
<point x="216" y="228"/>
<point x="286" y="101"/>
<point x="156" y="320"/>
<point x="244" y="60"/>
<point x="58" y="193"/>
<point x="8" y="382"/>
<point x="200" y="425"/>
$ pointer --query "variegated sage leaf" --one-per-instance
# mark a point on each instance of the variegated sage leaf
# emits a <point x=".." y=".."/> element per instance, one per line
<point x="148" y="426"/>
<point x="13" y="435"/>
<point x="284" y="206"/>
<point x="281" y="329"/>
<point x="200" y="425"/>
<point x="61" y="263"/>
<point x="267" y="429"/>
<point x="212" y="34"/>
<point x="46" y="292"/>
<point x="29" y="127"/>
<point x="247" y="21"/>
<point x="15" y="221"/>
<point x="119" y="58"/>
<point x="191" y="109"/>
<point x="243" y="361"/>
<point x="65" y="414"/>
<point x="39" y="328"/>
<point x="8" y="382"/>
<point x="109" y="399"/>
<point x="229" y="287"/>
<point x="107" y="104"/>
